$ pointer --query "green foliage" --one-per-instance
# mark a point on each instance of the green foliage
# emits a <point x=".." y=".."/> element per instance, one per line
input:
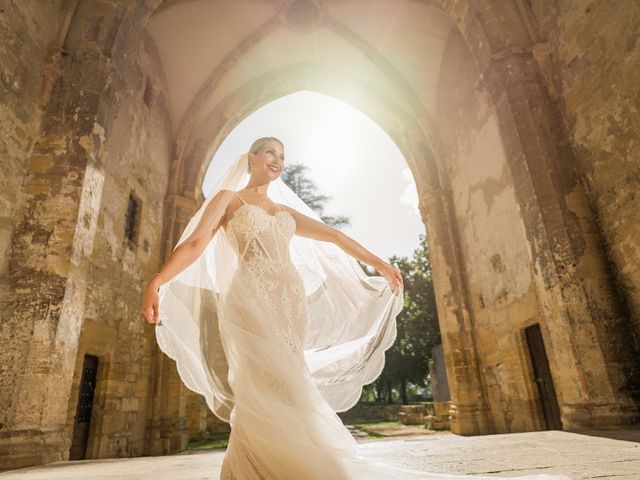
<point x="418" y="331"/>
<point x="295" y="177"/>
<point x="363" y="427"/>
<point x="218" y="440"/>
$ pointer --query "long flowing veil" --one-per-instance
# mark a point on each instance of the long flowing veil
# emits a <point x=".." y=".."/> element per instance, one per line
<point x="352" y="316"/>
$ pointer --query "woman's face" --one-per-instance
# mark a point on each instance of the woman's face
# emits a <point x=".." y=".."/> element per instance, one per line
<point x="268" y="163"/>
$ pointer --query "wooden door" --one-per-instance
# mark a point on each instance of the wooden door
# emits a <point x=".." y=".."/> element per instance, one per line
<point x="542" y="377"/>
<point x="85" y="405"/>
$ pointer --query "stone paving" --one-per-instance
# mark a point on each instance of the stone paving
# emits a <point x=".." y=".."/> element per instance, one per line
<point x="585" y="455"/>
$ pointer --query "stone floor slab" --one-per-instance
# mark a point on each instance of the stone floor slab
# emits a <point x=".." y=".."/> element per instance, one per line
<point x="581" y="456"/>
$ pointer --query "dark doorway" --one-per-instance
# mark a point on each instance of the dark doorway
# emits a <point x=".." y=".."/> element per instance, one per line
<point x="83" y="412"/>
<point x="542" y="377"/>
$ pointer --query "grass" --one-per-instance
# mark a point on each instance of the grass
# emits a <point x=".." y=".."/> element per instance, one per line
<point x="221" y="440"/>
<point x="218" y="440"/>
<point x="365" y="426"/>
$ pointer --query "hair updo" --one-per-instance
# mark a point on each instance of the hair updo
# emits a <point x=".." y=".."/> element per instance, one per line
<point x="258" y="144"/>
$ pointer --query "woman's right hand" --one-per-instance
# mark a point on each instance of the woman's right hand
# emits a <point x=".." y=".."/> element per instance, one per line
<point x="392" y="275"/>
<point x="150" y="301"/>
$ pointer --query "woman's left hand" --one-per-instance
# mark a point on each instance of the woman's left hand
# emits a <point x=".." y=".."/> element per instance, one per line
<point x="393" y="276"/>
<point x="150" y="301"/>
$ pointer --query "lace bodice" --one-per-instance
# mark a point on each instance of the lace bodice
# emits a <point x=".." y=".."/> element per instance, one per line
<point x="258" y="233"/>
<point x="261" y="241"/>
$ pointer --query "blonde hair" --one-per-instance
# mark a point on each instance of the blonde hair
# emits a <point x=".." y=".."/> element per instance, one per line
<point x="259" y="143"/>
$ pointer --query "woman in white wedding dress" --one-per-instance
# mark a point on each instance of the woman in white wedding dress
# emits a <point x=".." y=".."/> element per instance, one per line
<point x="269" y="317"/>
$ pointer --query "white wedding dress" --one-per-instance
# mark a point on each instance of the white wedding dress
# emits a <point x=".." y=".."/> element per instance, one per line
<point x="282" y="426"/>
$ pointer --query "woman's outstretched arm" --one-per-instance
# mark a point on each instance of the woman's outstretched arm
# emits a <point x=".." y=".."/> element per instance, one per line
<point x="311" y="228"/>
<point x="186" y="253"/>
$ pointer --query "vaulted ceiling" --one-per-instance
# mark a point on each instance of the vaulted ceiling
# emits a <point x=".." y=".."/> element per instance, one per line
<point x="208" y="48"/>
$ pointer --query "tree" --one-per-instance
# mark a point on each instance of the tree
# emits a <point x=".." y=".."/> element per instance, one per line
<point x="296" y="179"/>
<point x="417" y="325"/>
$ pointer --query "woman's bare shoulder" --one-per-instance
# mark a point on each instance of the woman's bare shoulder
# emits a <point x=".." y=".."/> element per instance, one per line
<point x="287" y="208"/>
<point x="220" y="203"/>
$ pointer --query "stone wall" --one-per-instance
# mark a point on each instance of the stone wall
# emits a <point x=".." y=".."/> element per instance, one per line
<point x="76" y="281"/>
<point x="537" y="104"/>
<point x="529" y="251"/>
<point x="438" y="375"/>
<point x="593" y="52"/>
<point x="27" y="30"/>
<point x="370" y="412"/>
<point x="497" y="263"/>
<point x="137" y="157"/>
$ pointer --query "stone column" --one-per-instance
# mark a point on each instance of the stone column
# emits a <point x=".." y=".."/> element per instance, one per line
<point x="54" y="233"/>
<point x="590" y="354"/>
<point x="196" y="415"/>
<point x="169" y="426"/>
<point x="469" y="411"/>
<point x="48" y="265"/>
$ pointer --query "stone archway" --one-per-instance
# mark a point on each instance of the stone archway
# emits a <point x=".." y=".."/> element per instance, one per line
<point x="412" y="140"/>
<point x="511" y="82"/>
<point x="107" y="123"/>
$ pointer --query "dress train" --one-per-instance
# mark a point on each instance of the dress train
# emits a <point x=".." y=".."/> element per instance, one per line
<point x="282" y="427"/>
<point x="278" y="333"/>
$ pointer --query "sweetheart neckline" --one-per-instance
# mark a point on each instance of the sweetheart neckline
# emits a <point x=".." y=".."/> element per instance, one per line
<point x="273" y="215"/>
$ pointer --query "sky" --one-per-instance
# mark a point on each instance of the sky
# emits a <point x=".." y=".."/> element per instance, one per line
<point x="350" y="158"/>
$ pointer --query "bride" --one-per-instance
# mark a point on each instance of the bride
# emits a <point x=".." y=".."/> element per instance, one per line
<point x="269" y="317"/>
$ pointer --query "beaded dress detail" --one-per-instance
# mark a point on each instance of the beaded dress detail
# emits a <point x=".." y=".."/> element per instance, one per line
<point x="262" y="243"/>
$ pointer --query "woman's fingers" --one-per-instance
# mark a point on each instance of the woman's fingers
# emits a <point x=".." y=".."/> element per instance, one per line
<point x="393" y="276"/>
<point x="151" y="312"/>
<point x="148" y="313"/>
<point x="398" y="277"/>
<point x="150" y="305"/>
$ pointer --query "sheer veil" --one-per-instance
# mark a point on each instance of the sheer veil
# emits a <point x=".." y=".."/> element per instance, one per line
<point x="352" y="316"/>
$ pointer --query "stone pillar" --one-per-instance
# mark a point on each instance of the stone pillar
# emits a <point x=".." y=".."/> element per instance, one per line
<point x="215" y="425"/>
<point x="468" y="409"/>
<point x="49" y="261"/>
<point x="196" y="415"/>
<point x="584" y="328"/>
<point x="438" y="375"/>
<point x="55" y="229"/>
<point x="169" y="425"/>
